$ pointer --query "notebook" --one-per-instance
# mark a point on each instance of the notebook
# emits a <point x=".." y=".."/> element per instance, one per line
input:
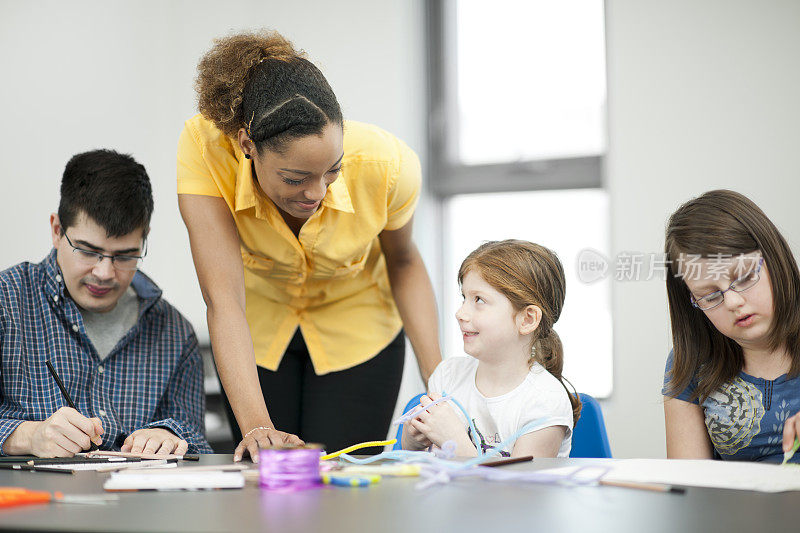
<point x="177" y="480"/>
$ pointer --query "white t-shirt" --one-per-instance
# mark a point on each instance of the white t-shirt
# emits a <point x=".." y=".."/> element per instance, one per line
<point x="541" y="395"/>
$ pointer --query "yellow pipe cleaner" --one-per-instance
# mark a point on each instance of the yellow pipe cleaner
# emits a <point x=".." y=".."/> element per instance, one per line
<point x="355" y="447"/>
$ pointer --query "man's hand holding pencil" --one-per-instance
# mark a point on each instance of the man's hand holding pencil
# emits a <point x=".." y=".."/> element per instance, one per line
<point x="63" y="434"/>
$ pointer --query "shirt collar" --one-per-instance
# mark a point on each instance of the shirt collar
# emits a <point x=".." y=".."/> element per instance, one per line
<point x="145" y="287"/>
<point x="53" y="280"/>
<point x="146" y="290"/>
<point x="245" y="188"/>
<point x="247" y="197"/>
<point x="338" y="197"/>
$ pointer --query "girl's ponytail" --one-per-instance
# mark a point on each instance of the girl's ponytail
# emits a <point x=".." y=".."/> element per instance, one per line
<point x="549" y="352"/>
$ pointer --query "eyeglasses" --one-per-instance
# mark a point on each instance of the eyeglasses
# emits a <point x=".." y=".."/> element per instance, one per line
<point x="120" y="262"/>
<point x="741" y="284"/>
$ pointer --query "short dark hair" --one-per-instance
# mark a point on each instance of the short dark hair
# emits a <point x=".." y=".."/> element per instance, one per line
<point x="110" y="188"/>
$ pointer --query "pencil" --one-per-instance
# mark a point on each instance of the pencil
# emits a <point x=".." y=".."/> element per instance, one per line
<point x="508" y="461"/>
<point x="655" y="487"/>
<point x="66" y="395"/>
<point x="32" y="468"/>
<point x="79" y="459"/>
<point x="105" y="453"/>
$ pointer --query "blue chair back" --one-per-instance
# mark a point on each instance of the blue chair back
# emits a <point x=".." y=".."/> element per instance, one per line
<point x="589" y="438"/>
<point x="413" y="402"/>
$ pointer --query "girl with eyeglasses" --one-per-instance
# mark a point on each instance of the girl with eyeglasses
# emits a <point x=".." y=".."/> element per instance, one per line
<point x="731" y="386"/>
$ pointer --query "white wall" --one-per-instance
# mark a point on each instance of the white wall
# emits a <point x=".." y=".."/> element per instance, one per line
<point x="86" y="74"/>
<point x="702" y="95"/>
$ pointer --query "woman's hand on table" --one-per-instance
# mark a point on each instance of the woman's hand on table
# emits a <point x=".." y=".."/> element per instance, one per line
<point x="258" y="438"/>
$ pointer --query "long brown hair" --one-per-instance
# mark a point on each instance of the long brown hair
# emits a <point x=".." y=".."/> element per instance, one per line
<point x="528" y="274"/>
<point x="725" y="222"/>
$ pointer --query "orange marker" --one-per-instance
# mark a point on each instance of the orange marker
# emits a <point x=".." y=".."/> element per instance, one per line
<point x="12" y="496"/>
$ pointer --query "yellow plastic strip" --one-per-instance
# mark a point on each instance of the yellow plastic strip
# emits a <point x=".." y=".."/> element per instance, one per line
<point x="355" y="447"/>
<point x="387" y="470"/>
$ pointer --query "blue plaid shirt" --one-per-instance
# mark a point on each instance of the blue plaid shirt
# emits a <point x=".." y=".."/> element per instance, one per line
<point x="152" y="378"/>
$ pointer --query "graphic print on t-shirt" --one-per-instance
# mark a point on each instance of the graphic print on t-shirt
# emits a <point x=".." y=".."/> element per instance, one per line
<point x="733" y="415"/>
<point x="485" y="444"/>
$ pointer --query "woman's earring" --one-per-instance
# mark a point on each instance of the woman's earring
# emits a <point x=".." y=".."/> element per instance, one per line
<point x="533" y="351"/>
<point x="247" y="156"/>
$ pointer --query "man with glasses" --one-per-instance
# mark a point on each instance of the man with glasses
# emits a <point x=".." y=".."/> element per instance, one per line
<point x="128" y="359"/>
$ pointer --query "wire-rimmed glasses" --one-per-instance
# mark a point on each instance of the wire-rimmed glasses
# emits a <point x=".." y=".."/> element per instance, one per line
<point x="120" y="262"/>
<point x="740" y="284"/>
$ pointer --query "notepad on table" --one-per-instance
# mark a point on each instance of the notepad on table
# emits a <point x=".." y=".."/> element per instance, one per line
<point x="738" y="475"/>
<point x="139" y="480"/>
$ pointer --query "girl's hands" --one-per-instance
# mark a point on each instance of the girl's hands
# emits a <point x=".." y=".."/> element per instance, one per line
<point x="414" y="439"/>
<point x="441" y="423"/>
<point x="791" y="431"/>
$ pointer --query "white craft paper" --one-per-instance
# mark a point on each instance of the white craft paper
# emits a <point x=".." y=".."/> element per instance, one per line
<point x="141" y="480"/>
<point x="737" y="475"/>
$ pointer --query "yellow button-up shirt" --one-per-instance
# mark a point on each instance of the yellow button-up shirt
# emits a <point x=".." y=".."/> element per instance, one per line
<point x="331" y="280"/>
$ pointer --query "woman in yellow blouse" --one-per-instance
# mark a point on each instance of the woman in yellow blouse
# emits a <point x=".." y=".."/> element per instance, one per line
<point x="300" y="228"/>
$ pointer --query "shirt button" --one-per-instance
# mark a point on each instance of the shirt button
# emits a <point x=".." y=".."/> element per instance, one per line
<point x="101" y="412"/>
<point x="58" y="278"/>
<point x="75" y="327"/>
<point x="55" y="298"/>
<point x="100" y="370"/>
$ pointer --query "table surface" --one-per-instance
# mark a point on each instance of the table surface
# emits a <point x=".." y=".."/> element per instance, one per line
<point x="465" y="505"/>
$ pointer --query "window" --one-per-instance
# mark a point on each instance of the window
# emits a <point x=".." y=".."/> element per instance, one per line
<point x="585" y="322"/>
<point x="517" y="135"/>
<point x="530" y="80"/>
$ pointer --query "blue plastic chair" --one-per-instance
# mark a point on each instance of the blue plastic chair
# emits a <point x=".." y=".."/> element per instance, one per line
<point x="589" y="438"/>
<point x="413" y="402"/>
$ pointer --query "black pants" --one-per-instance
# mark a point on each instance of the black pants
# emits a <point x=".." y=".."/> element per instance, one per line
<point x="337" y="409"/>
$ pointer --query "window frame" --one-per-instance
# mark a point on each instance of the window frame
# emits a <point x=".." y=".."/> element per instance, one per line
<point x="449" y="177"/>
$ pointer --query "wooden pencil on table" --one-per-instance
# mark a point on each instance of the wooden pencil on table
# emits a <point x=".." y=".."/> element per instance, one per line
<point x="655" y="487"/>
<point x="509" y="461"/>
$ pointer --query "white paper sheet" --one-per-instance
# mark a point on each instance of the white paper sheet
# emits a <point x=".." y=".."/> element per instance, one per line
<point x="142" y="480"/>
<point x="762" y="477"/>
<point x="112" y="464"/>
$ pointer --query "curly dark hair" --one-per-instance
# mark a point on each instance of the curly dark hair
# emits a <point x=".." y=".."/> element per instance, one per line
<point x="258" y="81"/>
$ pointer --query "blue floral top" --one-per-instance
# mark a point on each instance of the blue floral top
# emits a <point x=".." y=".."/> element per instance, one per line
<point x="745" y="416"/>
